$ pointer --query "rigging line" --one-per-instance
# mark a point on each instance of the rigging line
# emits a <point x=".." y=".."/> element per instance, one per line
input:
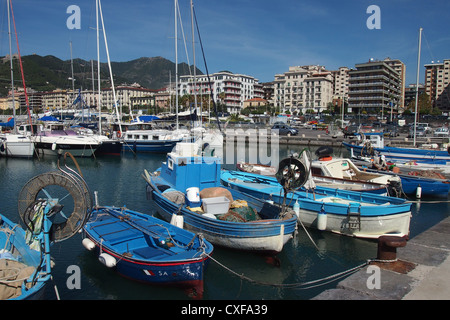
<point x="428" y="46"/>
<point x="184" y="40"/>
<point x="211" y="93"/>
<point x="21" y="68"/>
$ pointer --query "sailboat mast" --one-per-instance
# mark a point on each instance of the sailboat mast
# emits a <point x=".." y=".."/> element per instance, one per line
<point x="176" y="62"/>
<point x="417" y="85"/>
<point x="12" y="70"/>
<point x="99" y="104"/>
<point x="193" y="52"/>
<point x="109" y="66"/>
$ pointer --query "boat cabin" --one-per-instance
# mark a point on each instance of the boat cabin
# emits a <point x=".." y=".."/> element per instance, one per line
<point x="185" y="168"/>
<point x="343" y="168"/>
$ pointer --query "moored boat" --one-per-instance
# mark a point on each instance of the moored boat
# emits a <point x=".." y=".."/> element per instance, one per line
<point x="375" y="143"/>
<point x="55" y="139"/>
<point x="225" y="217"/>
<point x="320" y="180"/>
<point x="357" y="214"/>
<point x="147" y="249"/>
<point x="25" y="262"/>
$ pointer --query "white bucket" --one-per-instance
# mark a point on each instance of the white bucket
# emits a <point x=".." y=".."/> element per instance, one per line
<point x="193" y="194"/>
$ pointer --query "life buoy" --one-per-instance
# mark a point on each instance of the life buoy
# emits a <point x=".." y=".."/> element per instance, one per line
<point x="119" y="134"/>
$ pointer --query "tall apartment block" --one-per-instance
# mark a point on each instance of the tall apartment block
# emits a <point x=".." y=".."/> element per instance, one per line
<point x="374" y="86"/>
<point x="229" y="88"/>
<point x="303" y="88"/>
<point x="437" y="84"/>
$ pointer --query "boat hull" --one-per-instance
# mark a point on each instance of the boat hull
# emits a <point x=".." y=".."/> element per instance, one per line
<point x="156" y="146"/>
<point x="77" y="146"/>
<point x="268" y="236"/>
<point x="180" y="273"/>
<point x="370" y="216"/>
<point x="405" y="154"/>
<point x="110" y="147"/>
<point x="27" y="256"/>
<point x="16" y="146"/>
<point x="138" y="254"/>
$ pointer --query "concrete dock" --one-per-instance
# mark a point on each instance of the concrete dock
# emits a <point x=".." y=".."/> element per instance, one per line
<point x="421" y="272"/>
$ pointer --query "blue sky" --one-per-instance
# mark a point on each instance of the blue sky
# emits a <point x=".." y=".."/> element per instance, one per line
<point x="260" y="38"/>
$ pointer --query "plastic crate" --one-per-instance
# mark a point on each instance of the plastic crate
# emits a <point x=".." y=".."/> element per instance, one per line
<point x="216" y="205"/>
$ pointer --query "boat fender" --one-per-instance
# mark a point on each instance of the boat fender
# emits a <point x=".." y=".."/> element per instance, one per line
<point x="177" y="220"/>
<point x="321" y="219"/>
<point x="88" y="244"/>
<point x="296" y="208"/>
<point x="119" y="134"/>
<point x="107" y="260"/>
<point x="54" y="146"/>
<point x="419" y="192"/>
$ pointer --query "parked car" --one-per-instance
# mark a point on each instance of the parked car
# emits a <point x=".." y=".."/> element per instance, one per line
<point x="441" y="132"/>
<point x="390" y="130"/>
<point x="420" y="132"/>
<point x="425" y="126"/>
<point x="350" y="130"/>
<point x="284" y="130"/>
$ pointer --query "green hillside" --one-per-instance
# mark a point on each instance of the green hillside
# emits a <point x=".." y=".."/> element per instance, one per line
<point x="48" y="73"/>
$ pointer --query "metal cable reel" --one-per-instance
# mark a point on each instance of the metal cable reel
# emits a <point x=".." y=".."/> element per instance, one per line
<point x="291" y="173"/>
<point x="70" y="194"/>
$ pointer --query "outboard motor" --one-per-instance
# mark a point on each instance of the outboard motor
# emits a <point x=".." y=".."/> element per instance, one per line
<point x="324" y="152"/>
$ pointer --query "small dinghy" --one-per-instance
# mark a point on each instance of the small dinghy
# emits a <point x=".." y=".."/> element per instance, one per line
<point x="147" y="249"/>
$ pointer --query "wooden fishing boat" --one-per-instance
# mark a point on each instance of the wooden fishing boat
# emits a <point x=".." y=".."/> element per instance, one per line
<point x="345" y="169"/>
<point x="320" y="180"/>
<point x="24" y="270"/>
<point x="374" y="142"/>
<point x="25" y="265"/>
<point x="214" y="213"/>
<point x="147" y="249"/>
<point x="357" y="214"/>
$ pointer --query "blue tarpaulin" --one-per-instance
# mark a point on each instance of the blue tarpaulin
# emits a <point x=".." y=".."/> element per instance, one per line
<point x="9" y="123"/>
<point x="147" y="118"/>
<point x="48" y="118"/>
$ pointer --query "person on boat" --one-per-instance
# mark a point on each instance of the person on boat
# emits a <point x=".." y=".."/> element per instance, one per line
<point x="379" y="162"/>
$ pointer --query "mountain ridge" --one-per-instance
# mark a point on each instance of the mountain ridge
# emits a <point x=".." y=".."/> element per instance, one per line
<point x="47" y="73"/>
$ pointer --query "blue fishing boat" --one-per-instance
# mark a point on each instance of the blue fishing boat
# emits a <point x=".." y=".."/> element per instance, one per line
<point x="25" y="264"/>
<point x="421" y="186"/>
<point x="374" y="142"/>
<point x="146" y="249"/>
<point x="357" y="214"/>
<point x="188" y="186"/>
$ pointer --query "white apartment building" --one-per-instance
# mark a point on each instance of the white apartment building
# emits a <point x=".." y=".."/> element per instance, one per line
<point x="400" y="68"/>
<point x="437" y="84"/>
<point x="340" y="82"/>
<point x="303" y="88"/>
<point x="228" y="88"/>
<point x="374" y="86"/>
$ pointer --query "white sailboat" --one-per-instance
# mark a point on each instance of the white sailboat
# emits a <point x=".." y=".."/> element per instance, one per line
<point x="15" y="144"/>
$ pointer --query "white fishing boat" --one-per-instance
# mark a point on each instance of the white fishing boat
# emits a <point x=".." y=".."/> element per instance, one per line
<point x="345" y="169"/>
<point x="323" y="181"/>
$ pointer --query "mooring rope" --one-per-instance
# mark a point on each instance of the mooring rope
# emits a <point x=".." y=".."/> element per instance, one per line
<point x="298" y="285"/>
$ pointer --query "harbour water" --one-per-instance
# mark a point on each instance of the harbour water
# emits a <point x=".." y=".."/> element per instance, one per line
<point x="118" y="182"/>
